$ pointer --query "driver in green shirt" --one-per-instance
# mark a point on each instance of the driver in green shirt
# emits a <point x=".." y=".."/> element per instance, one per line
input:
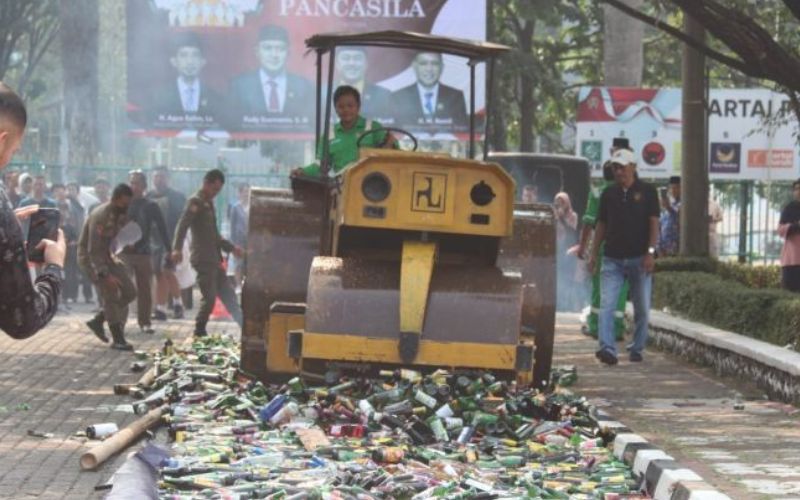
<point x="342" y="148"/>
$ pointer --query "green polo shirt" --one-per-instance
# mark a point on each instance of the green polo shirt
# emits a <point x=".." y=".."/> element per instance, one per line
<point x="342" y="147"/>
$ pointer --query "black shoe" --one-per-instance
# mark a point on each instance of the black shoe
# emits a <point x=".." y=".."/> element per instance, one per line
<point x="606" y="357"/>
<point x="159" y="315"/>
<point x="636" y="357"/>
<point x="200" y="333"/>
<point x="146" y="329"/>
<point x="96" y="326"/>
<point x="178" y="312"/>
<point x="118" y="334"/>
<point x="122" y="347"/>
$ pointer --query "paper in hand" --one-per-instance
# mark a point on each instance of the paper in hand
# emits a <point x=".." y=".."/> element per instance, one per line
<point x="130" y="234"/>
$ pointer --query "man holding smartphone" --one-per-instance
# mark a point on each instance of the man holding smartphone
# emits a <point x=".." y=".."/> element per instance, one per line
<point x="25" y="307"/>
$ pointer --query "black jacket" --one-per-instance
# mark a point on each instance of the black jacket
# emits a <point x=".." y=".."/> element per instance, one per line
<point x="146" y="213"/>
<point x="25" y="307"/>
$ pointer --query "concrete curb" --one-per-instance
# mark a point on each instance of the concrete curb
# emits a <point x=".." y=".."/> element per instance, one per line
<point x="662" y="477"/>
<point x="774" y="369"/>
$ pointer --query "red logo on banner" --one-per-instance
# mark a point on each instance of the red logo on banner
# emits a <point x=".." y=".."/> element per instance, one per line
<point x="653" y="153"/>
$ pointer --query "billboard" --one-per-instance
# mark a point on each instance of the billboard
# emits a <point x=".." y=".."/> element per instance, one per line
<point x="240" y="69"/>
<point x="751" y="131"/>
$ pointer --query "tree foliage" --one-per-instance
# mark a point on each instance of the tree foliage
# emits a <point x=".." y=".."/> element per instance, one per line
<point x="754" y="41"/>
<point x="555" y="48"/>
<point x="27" y="31"/>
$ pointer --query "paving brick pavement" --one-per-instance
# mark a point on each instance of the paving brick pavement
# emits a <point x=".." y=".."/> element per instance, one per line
<point x="66" y="377"/>
<point x="688" y="411"/>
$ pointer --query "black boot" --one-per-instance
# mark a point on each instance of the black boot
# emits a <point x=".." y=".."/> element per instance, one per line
<point x="96" y="326"/>
<point x="118" y="334"/>
<point x="200" y="329"/>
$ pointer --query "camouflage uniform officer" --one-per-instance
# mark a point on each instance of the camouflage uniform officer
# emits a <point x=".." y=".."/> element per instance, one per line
<point x="104" y="269"/>
<point x="207" y="245"/>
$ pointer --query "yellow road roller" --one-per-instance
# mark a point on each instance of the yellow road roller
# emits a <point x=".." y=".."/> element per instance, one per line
<point x="403" y="258"/>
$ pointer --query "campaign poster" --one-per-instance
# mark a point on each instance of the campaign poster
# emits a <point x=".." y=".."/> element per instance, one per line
<point x="240" y="68"/>
<point x="751" y="131"/>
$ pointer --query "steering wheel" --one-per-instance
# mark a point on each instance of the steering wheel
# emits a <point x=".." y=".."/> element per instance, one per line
<point x="387" y="130"/>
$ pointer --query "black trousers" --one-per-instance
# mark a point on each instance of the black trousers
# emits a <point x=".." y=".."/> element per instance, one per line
<point x="790" y="278"/>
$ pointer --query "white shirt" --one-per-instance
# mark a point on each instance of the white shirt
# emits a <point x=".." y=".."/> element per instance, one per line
<point x="190" y="94"/>
<point x="280" y="82"/>
<point x="434" y="98"/>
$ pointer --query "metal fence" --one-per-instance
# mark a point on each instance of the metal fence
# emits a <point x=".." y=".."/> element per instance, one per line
<point x="751" y="212"/>
<point x="186" y="180"/>
<point x="747" y="233"/>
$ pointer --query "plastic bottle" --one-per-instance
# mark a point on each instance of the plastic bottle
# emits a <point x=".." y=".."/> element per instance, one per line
<point x="285" y="414"/>
<point x="271" y="408"/>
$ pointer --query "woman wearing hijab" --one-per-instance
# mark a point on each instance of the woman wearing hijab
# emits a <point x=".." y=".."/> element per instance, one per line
<point x="566" y="237"/>
<point x="789" y="229"/>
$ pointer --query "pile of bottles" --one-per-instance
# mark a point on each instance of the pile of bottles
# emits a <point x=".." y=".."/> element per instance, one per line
<point x="398" y="434"/>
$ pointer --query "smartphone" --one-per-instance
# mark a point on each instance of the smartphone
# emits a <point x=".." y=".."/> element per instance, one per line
<point x="42" y="225"/>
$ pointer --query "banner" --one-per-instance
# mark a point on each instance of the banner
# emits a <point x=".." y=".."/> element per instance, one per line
<point x="239" y="68"/>
<point x="751" y="131"/>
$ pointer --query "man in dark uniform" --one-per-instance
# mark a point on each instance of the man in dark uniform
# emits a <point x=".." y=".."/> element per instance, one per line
<point x="207" y="245"/>
<point x="138" y="256"/>
<point x="96" y="258"/>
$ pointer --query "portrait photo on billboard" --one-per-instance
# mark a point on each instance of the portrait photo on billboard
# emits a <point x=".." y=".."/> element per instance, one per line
<point x="240" y="67"/>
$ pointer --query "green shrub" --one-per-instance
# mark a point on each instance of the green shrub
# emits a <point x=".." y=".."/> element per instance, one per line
<point x="746" y="274"/>
<point x="770" y="315"/>
<point x="700" y="264"/>
<point x="752" y="276"/>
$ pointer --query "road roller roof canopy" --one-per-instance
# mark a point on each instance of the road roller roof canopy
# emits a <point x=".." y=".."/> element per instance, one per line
<point x="471" y="49"/>
<point x="475" y="51"/>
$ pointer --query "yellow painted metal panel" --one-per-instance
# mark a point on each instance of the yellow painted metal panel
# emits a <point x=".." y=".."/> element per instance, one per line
<point x="450" y="354"/>
<point x="428" y="193"/>
<point x="416" y="270"/>
<point x="279" y="325"/>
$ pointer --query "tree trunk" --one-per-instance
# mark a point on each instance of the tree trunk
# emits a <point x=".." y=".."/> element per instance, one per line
<point x="80" y="25"/>
<point x="623" y="53"/>
<point x="497" y="140"/>
<point x="694" y="176"/>
<point x="527" y="102"/>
